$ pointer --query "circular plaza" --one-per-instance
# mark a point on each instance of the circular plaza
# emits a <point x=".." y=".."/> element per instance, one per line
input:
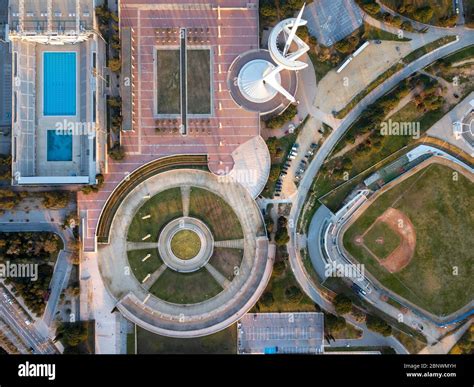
<point x="187" y="254"/>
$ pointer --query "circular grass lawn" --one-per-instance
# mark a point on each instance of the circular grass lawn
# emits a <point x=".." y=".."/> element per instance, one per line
<point x="185" y="244"/>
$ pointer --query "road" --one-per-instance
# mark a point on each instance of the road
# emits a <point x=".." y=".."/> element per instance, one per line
<point x="15" y="317"/>
<point x="444" y="345"/>
<point x="466" y="38"/>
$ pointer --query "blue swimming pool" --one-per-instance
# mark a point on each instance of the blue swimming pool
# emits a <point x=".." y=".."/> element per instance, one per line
<point x="59" y="84"/>
<point x="59" y="146"/>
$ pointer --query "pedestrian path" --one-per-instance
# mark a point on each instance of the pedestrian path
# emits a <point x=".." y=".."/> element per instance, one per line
<point x="230" y="244"/>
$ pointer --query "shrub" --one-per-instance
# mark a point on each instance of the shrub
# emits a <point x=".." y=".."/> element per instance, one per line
<point x="378" y="325"/>
<point x="114" y="64"/>
<point x="342" y="303"/>
<point x="55" y="199"/>
<point x="280" y="120"/>
<point x="117" y="152"/>
<point x="334" y="323"/>
<point x="279" y="268"/>
<point x="267" y="299"/>
<point x="293" y="294"/>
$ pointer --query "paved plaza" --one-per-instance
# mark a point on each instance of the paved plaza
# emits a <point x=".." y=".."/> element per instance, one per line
<point x="187" y="320"/>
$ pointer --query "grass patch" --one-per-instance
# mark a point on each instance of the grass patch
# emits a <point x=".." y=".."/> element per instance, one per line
<point x="220" y="343"/>
<point x="381" y="240"/>
<point x="419" y="52"/>
<point x="216" y="213"/>
<point x="185" y="244"/>
<point x="168" y="81"/>
<point x="321" y="68"/>
<point x="131" y="343"/>
<point x="199" y="81"/>
<point x="185" y="288"/>
<point x="411" y="343"/>
<point x="163" y="207"/>
<point x="445" y="68"/>
<point x="430" y="197"/>
<point x="458" y="56"/>
<point x="141" y="269"/>
<point x="282" y="288"/>
<point x="226" y="261"/>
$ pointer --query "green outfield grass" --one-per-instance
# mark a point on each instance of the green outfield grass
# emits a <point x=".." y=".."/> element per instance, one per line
<point x="163" y="207"/>
<point x="441" y="212"/>
<point x="390" y="240"/>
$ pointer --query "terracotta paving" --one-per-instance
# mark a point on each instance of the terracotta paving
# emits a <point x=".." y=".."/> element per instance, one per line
<point x="229" y="125"/>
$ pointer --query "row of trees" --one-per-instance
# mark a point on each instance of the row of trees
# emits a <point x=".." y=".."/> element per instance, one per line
<point x="274" y="10"/>
<point x="373" y="8"/>
<point x="429" y="98"/>
<point x="279" y="120"/>
<point x="109" y="27"/>
<point x="31" y="248"/>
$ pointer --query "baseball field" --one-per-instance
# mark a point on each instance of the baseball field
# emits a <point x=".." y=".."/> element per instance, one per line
<point x="416" y="239"/>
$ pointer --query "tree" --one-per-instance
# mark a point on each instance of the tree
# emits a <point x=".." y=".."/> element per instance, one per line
<point x="293" y="294"/>
<point x="378" y="325"/>
<point x="423" y="14"/>
<point x="72" y="333"/>
<point x="279" y="268"/>
<point x="269" y="224"/>
<point x="281" y="236"/>
<point x="117" y="152"/>
<point x="371" y="8"/>
<point x="343" y="46"/>
<point x="56" y="199"/>
<point x="268" y="11"/>
<point x="50" y="246"/>
<point x="267" y="299"/>
<point x="114" y="64"/>
<point x="342" y="303"/>
<point x="334" y="323"/>
<point x="115" y="102"/>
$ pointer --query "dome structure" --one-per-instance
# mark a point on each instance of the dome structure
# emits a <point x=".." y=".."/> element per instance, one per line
<point x="252" y="83"/>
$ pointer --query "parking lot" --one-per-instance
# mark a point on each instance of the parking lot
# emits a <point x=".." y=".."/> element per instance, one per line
<point x="269" y="333"/>
<point x="332" y="20"/>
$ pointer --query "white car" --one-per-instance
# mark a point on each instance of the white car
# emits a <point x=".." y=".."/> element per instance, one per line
<point x="27" y="322"/>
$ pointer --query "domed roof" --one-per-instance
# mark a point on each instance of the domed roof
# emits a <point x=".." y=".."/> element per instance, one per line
<point x="251" y="81"/>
